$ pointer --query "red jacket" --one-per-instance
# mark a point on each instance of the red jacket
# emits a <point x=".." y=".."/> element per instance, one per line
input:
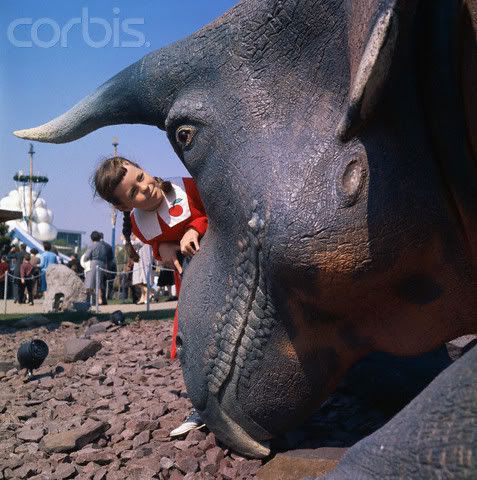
<point x="25" y="269"/>
<point x="180" y="210"/>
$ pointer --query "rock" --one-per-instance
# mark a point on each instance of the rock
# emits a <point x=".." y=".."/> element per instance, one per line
<point x="226" y="470"/>
<point x="105" y="392"/>
<point x="64" y="289"/>
<point x="187" y="464"/>
<point x="209" y="468"/>
<point x="101" y="456"/>
<point x="301" y="463"/>
<point x="26" y="471"/>
<point x="90" y="321"/>
<point x="80" y="349"/>
<point x="14" y="461"/>
<point x="101" y="473"/>
<point x="138" y="473"/>
<point x="127" y="434"/>
<point x="46" y="383"/>
<point x="176" y="475"/>
<point x="158" y="364"/>
<point x="137" y="425"/>
<point x="196" y="436"/>
<point x="248" y="468"/>
<point x="29" y="447"/>
<point x="25" y="413"/>
<point x="209" y="442"/>
<point x="100" y="327"/>
<point x="166" y="463"/>
<point x="95" y="370"/>
<point x="34" y="435"/>
<point x="457" y="347"/>
<point x="64" y="471"/>
<point x="190" y="476"/>
<point x="141" y="438"/>
<point x="157" y="411"/>
<point x="73" y="439"/>
<point x="184" y="444"/>
<point x="151" y="462"/>
<point x="215" y="455"/>
<point x="64" y="395"/>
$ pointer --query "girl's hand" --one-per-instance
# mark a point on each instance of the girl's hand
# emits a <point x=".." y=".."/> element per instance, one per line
<point x="168" y="253"/>
<point x="190" y="242"/>
<point x="23" y="280"/>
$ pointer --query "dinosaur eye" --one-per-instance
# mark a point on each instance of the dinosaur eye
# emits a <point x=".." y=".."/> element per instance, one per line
<point x="184" y="135"/>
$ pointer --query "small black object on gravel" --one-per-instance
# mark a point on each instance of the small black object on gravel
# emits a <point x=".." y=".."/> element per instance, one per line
<point x="117" y="317"/>
<point x="32" y="354"/>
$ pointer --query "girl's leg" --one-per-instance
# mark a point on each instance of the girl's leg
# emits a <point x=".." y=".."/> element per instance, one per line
<point x="143" y="293"/>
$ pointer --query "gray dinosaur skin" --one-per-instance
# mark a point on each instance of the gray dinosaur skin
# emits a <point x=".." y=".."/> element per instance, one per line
<point x="334" y="149"/>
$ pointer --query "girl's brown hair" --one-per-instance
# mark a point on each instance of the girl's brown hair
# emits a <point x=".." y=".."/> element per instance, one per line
<point x="107" y="177"/>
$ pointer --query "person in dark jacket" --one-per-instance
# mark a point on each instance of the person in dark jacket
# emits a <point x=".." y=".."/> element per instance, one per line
<point x="99" y="255"/>
<point x="111" y="266"/>
<point x="18" y="296"/>
<point x="26" y="280"/>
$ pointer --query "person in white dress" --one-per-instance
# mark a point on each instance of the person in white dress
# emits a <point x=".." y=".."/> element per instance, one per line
<point x="141" y="270"/>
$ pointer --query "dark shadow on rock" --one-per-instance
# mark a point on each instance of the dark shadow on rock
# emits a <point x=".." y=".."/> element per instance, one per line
<point x="373" y="391"/>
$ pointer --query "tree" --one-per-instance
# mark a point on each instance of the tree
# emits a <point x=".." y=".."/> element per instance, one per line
<point x="5" y="240"/>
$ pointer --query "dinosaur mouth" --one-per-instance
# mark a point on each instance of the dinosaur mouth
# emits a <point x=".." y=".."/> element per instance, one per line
<point x="243" y="325"/>
<point x="231" y="433"/>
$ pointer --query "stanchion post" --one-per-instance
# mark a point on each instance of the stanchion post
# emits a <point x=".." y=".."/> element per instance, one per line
<point x="148" y="286"/>
<point x="97" y="289"/>
<point x="5" y="290"/>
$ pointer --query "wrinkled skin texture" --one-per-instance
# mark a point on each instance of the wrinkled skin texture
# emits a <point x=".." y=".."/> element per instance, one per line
<point x="334" y="150"/>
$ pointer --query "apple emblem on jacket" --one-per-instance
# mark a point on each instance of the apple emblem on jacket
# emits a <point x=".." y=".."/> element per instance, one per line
<point x="176" y="210"/>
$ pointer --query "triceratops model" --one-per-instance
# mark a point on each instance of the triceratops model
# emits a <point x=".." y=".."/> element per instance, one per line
<point x="334" y="144"/>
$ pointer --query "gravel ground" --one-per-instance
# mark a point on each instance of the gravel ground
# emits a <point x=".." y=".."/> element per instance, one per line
<point x="109" y="417"/>
<point x="123" y="401"/>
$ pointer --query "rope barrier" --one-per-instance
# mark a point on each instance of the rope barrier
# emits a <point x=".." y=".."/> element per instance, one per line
<point x="32" y="277"/>
<point x="150" y="271"/>
<point x="5" y="290"/>
<point x="131" y="271"/>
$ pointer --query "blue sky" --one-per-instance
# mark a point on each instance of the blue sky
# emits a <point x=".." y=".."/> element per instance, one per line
<point x="44" y="79"/>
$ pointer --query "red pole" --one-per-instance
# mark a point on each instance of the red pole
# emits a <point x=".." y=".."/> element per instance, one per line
<point x="175" y="326"/>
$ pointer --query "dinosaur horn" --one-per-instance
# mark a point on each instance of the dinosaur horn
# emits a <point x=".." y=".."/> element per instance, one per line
<point x="125" y="98"/>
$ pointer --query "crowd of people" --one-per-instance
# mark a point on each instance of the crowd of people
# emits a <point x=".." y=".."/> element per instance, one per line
<point x="27" y="271"/>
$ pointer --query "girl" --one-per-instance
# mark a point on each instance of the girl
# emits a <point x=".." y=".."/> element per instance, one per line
<point x="168" y="215"/>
